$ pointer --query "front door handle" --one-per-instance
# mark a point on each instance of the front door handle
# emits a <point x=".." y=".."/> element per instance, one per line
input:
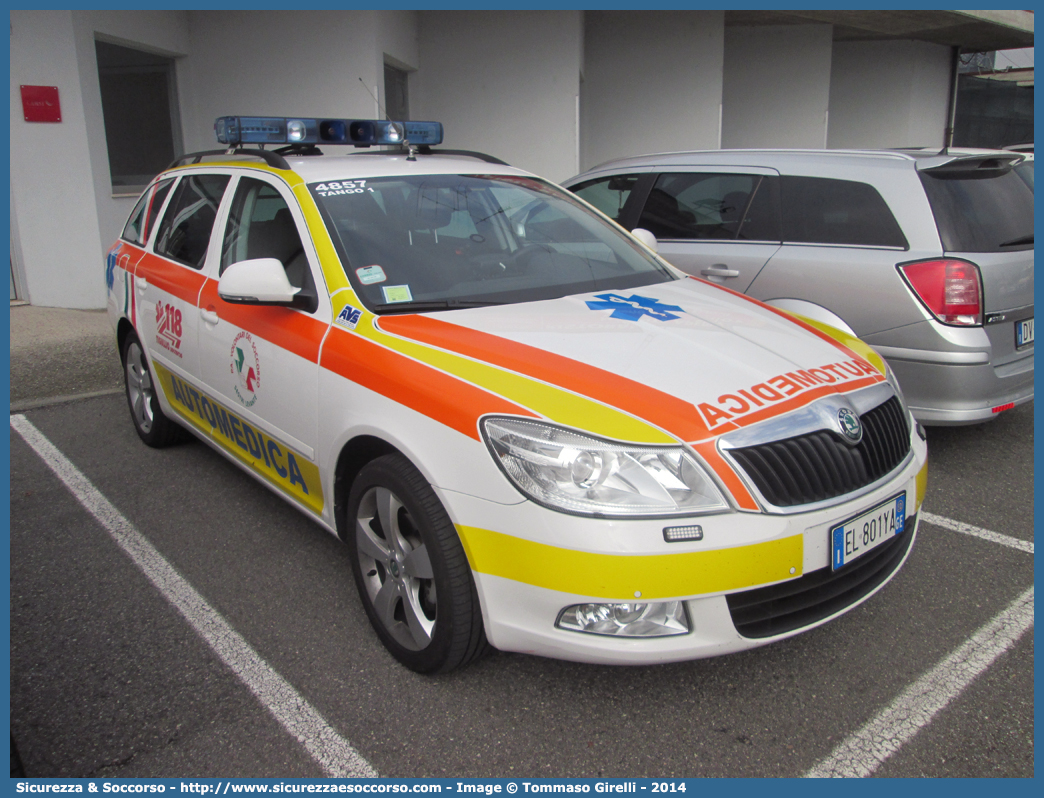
<point x="719" y="270"/>
<point x="209" y="316"/>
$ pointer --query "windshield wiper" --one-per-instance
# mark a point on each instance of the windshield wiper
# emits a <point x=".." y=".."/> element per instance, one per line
<point x="1018" y="241"/>
<point x="422" y="307"/>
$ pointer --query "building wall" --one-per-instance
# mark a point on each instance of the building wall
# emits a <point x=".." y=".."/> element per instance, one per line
<point x="776" y="86"/>
<point x="651" y="83"/>
<point x="889" y="94"/>
<point x="284" y="63"/>
<point x="64" y="217"/>
<point x="503" y="82"/>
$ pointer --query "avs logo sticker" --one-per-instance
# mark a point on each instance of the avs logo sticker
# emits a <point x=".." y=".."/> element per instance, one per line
<point x="348" y="317"/>
<point x="850" y="425"/>
<point x="246" y="368"/>
<point x="168" y="328"/>
<point x="632" y="308"/>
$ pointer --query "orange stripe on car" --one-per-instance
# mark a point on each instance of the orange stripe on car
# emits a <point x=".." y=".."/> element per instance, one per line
<point x="172" y="278"/>
<point x="440" y="396"/>
<point x="804" y="324"/>
<point x="656" y="407"/>
<point x="708" y="450"/>
<point x="295" y="332"/>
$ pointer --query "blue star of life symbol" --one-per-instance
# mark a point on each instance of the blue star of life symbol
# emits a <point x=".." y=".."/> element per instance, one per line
<point x="632" y="308"/>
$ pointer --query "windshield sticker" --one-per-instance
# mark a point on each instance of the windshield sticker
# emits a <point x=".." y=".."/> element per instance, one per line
<point x="348" y="317"/>
<point x="632" y="308"/>
<point x="368" y="275"/>
<point x="344" y="187"/>
<point x="397" y="293"/>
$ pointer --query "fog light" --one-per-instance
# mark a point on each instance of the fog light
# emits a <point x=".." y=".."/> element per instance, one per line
<point x="631" y="619"/>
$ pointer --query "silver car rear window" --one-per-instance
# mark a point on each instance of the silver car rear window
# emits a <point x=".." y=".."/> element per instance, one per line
<point x="992" y="214"/>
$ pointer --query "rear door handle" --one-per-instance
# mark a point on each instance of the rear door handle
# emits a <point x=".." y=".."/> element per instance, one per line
<point x="141" y="283"/>
<point x="719" y="270"/>
<point x="209" y="316"/>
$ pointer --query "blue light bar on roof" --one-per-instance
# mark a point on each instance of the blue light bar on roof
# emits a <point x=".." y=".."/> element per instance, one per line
<point x="235" y="130"/>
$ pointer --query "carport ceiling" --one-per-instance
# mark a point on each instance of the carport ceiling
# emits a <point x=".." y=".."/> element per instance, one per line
<point x="972" y="31"/>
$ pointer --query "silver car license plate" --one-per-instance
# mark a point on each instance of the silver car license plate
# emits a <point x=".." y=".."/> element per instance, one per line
<point x="856" y="536"/>
<point x="1023" y="332"/>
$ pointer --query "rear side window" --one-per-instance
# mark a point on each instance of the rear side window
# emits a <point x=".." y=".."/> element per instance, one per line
<point x="694" y="206"/>
<point x="184" y="233"/>
<point x="818" y="210"/>
<point x="993" y="214"/>
<point x="144" y="214"/>
<point x="608" y="194"/>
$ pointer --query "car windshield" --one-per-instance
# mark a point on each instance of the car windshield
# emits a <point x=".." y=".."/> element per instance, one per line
<point x="431" y="242"/>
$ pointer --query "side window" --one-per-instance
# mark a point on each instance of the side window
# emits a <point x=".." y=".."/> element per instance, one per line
<point x="185" y="230"/>
<point x="132" y="232"/>
<point x="155" y="205"/>
<point x="260" y="225"/>
<point x="693" y="206"/>
<point x="819" y="210"/>
<point x="144" y="214"/>
<point x="608" y="194"/>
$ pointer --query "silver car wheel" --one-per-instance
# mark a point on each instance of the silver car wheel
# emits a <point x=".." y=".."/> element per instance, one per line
<point x="396" y="569"/>
<point x="139" y="388"/>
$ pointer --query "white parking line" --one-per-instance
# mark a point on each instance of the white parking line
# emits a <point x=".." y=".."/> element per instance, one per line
<point x="985" y="534"/>
<point x="862" y="753"/>
<point x="333" y="753"/>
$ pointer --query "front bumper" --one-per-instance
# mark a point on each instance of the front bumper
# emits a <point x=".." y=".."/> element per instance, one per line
<point x="540" y="561"/>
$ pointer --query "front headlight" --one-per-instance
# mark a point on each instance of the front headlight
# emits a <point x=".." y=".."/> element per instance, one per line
<point x="569" y="471"/>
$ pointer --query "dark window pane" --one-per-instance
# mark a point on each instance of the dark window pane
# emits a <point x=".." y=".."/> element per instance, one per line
<point x="982" y="215"/>
<point x="819" y="210"/>
<point x="138" y="97"/>
<point x="608" y="194"/>
<point x="184" y="233"/>
<point x="396" y="93"/>
<point x="696" y="206"/>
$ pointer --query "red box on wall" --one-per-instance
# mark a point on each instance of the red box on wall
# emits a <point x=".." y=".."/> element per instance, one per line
<point x="40" y="104"/>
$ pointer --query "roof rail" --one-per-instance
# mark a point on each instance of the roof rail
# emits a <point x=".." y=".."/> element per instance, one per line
<point x="424" y="149"/>
<point x="273" y="159"/>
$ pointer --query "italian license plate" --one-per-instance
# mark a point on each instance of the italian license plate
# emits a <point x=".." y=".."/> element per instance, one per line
<point x="856" y="536"/>
<point x="1023" y="332"/>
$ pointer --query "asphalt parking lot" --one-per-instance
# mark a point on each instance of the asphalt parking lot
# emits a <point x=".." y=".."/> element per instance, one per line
<point x="109" y="679"/>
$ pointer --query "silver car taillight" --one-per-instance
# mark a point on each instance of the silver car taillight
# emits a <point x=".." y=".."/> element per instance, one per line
<point x="951" y="289"/>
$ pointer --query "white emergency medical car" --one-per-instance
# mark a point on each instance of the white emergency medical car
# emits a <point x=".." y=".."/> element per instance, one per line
<point x="528" y="428"/>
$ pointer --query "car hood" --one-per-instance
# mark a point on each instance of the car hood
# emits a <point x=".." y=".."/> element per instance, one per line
<point x="681" y="360"/>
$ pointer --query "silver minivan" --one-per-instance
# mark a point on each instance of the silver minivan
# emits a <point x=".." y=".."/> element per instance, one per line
<point x="925" y="255"/>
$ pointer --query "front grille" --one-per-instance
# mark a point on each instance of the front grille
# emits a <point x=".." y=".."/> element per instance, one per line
<point x="777" y="609"/>
<point x="819" y="465"/>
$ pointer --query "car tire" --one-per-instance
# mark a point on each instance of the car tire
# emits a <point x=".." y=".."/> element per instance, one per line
<point x="152" y="426"/>
<point x="411" y="571"/>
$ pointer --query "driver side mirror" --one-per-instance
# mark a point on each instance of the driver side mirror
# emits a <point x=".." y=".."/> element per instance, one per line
<point x="645" y="237"/>
<point x="261" y="281"/>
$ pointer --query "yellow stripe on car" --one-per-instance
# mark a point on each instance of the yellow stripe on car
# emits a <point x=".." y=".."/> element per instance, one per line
<point x="549" y="401"/>
<point x="279" y="465"/>
<point x="626" y="577"/>
<point x="862" y="349"/>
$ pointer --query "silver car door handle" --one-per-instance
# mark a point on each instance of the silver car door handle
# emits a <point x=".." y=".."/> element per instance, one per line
<point x="719" y="270"/>
<point x="141" y="283"/>
<point x="209" y="316"/>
